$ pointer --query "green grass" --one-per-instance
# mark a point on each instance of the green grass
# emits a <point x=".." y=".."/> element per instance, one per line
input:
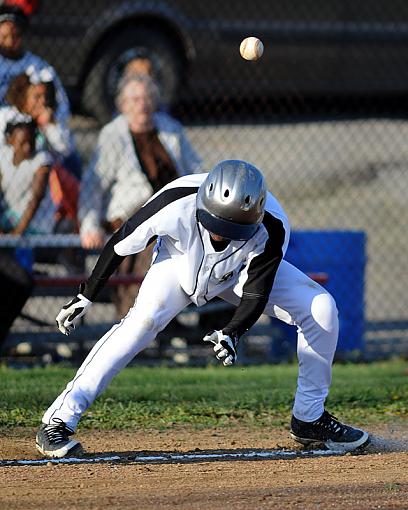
<point x="213" y="396"/>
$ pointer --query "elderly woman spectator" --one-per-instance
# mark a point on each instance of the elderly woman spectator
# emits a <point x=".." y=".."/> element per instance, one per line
<point x="14" y="60"/>
<point x="142" y="64"/>
<point x="137" y="153"/>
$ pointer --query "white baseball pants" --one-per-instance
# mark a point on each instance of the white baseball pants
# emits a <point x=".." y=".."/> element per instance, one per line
<point x="295" y="299"/>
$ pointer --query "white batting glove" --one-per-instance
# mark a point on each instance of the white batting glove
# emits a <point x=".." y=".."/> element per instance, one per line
<point x="71" y="313"/>
<point x="225" y="347"/>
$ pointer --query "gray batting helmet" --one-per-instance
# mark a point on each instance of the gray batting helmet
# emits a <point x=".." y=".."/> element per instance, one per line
<point x="231" y="200"/>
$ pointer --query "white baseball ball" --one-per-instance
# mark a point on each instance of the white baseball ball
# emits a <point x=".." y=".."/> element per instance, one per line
<point x="251" y="48"/>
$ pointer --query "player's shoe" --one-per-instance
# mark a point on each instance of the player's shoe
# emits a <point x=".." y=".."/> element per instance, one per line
<point x="53" y="440"/>
<point x="329" y="430"/>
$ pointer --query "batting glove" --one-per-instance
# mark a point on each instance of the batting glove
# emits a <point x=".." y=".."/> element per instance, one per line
<point x="225" y="347"/>
<point x="72" y="312"/>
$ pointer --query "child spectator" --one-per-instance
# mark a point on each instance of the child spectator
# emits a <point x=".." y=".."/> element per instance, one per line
<point x="24" y="174"/>
<point x="14" y="60"/>
<point x="33" y="93"/>
<point x="10" y="114"/>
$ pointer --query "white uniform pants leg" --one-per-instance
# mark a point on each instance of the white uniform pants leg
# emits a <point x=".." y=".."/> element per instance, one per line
<point x="298" y="300"/>
<point x="159" y="300"/>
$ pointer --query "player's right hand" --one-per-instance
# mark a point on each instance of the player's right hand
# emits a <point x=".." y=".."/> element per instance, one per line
<point x="71" y="313"/>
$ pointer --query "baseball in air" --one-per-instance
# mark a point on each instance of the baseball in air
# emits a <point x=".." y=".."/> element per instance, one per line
<point x="251" y="48"/>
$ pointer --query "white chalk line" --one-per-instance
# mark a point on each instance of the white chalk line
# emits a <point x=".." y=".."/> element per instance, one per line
<point x="174" y="457"/>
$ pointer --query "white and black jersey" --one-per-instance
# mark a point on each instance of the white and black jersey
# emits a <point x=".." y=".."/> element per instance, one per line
<point x="205" y="270"/>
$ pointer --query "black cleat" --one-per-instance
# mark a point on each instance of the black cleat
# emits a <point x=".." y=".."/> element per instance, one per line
<point x="53" y="440"/>
<point x="328" y="430"/>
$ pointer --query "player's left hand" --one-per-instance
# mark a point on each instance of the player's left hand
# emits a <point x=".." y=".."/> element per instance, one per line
<point x="225" y="347"/>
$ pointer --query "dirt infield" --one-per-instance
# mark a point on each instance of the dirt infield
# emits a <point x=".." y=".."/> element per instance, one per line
<point x="376" y="479"/>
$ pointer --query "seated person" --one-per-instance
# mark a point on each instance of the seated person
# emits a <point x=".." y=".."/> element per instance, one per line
<point x="139" y="65"/>
<point x="138" y="152"/>
<point x="10" y="114"/>
<point x="24" y="173"/>
<point x="14" y="60"/>
<point x="142" y="64"/>
<point x="33" y="93"/>
<point x="25" y="207"/>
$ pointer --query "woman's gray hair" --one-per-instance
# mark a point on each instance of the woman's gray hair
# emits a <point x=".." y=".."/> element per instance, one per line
<point x="144" y="79"/>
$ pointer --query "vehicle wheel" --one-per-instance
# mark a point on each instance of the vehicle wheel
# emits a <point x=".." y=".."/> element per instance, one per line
<point x="98" y="94"/>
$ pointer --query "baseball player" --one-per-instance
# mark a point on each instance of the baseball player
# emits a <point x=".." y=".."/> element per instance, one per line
<point x="217" y="234"/>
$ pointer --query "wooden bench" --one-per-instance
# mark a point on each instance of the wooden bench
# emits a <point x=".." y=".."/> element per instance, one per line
<point x="46" y="285"/>
<point x="49" y="285"/>
<point x="63" y="284"/>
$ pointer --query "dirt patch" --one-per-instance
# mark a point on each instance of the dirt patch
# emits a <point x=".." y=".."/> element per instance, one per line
<point x="376" y="479"/>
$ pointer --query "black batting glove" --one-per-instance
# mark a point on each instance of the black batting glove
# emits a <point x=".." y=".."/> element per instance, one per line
<point x="72" y="312"/>
<point x="225" y="347"/>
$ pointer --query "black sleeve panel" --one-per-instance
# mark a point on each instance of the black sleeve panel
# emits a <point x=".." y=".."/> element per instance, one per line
<point x="249" y="312"/>
<point x="261" y="275"/>
<point x="262" y="268"/>
<point x="108" y="260"/>
<point x="154" y="206"/>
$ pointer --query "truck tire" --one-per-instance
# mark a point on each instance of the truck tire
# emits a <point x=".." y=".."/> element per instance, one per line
<point x="98" y="94"/>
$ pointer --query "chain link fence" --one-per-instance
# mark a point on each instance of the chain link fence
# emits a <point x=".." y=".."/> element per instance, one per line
<point x="322" y="114"/>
